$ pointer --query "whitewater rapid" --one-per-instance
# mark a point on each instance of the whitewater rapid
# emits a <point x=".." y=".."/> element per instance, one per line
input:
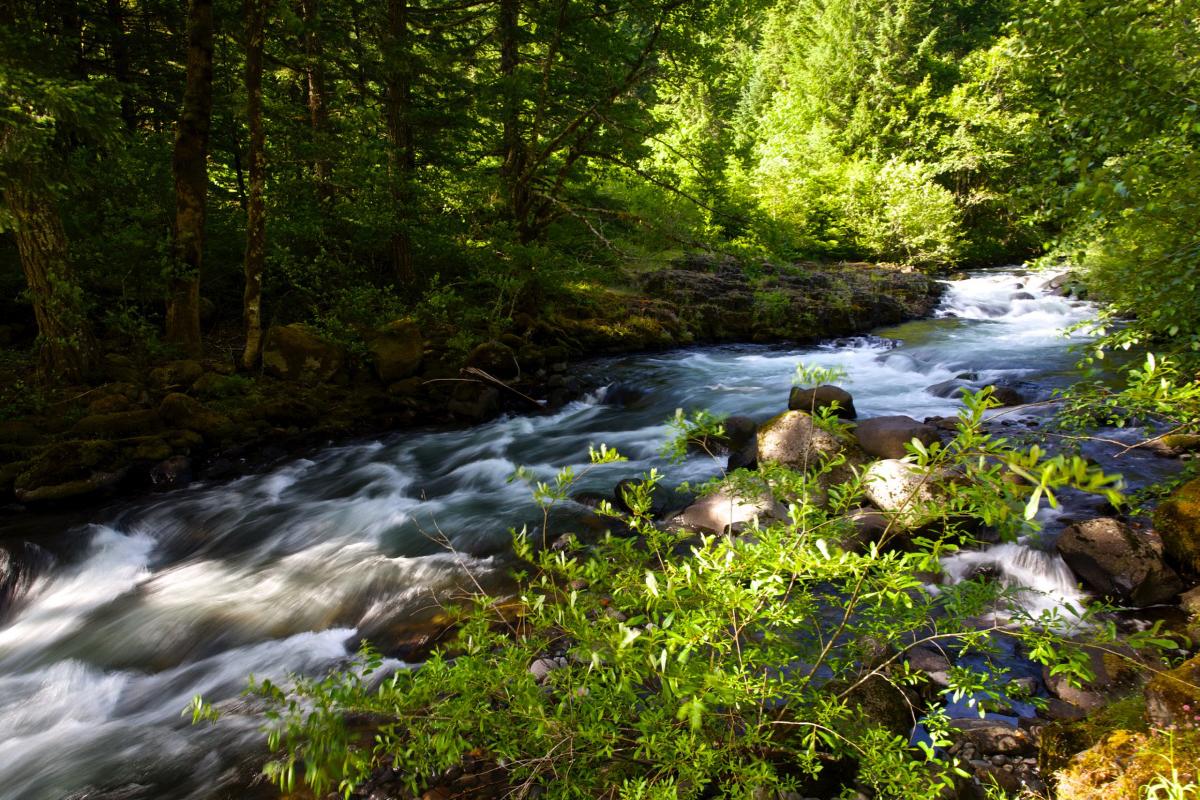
<point x="285" y="571"/>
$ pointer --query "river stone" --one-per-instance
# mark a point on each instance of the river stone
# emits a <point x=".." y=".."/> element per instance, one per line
<point x="886" y="437"/>
<point x="902" y="490"/>
<point x="396" y="350"/>
<point x="991" y="736"/>
<point x="1005" y="396"/>
<point x="1117" y="561"/>
<point x="930" y="661"/>
<point x="951" y="388"/>
<point x="718" y="512"/>
<point x="825" y="396"/>
<point x="1177" y="520"/>
<point x="795" y="440"/>
<point x="297" y="353"/>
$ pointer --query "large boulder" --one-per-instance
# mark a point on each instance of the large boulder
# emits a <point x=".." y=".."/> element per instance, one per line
<point x="1117" y="561"/>
<point x="886" y="437"/>
<point x="181" y="411"/>
<point x="825" y="396"/>
<point x="1177" y="520"/>
<point x="297" y="353"/>
<point x="725" y="509"/>
<point x="795" y="440"/>
<point x="396" y="350"/>
<point x="904" y="491"/>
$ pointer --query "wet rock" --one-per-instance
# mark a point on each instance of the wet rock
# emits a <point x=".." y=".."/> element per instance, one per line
<point x="813" y="400"/>
<point x="118" y="425"/>
<point x="990" y="736"/>
<point x="182" y="411"/>
<point x="869" y="526"/>
<point x="886" y="437"/>
<point x="1173" y="698"/>
<point x="932" y="662"/>
<point x="176" y="374"/>
<point x="720" y="511"/>
<point x="950" y="388"/>
<point x="20" y="565"/>
<point x="171" y="473"/>
<point x="1005" y="396"/>
<point x="494" y="358"/>
<point x="297" y="353"/>
<point x="1177" y="520"/>
<point x="1117" y="561"/>
<point x="903" y="491"/>
<point x="795" y="440"/>
<point x="741" y="434"/>
<point x="475" y="402"/>
<point x="397" y="350"/>
<point x="1189" y="601"/>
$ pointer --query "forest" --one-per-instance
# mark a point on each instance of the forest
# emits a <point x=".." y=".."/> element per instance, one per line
<point x="413" y="361"/>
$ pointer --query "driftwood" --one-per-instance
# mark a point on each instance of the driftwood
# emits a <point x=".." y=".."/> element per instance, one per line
<point x="483" y="377"/>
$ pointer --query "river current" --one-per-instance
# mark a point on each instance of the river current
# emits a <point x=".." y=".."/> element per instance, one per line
<point x="192" y="591"/>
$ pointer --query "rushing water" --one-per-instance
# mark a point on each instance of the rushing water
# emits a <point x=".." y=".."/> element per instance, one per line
<point x="284" y="571"/>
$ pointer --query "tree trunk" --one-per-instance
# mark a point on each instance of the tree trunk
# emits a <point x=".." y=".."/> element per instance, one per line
<point x="513" y="167"/>
<point x="120" y="54"/>
<point x="65" y="344"/>
<point x="190" y="166"/>
<point x="402" y="160"/>
<point x="318" y="111"/>
<point x="256" y="228"/>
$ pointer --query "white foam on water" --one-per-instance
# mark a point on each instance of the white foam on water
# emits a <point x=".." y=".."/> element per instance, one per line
<point x="1043" y="582"/>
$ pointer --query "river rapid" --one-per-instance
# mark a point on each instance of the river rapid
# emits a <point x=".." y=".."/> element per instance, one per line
<point x="192" y="591"/>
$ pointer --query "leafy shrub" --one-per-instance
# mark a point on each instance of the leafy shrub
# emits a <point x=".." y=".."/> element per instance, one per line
<point x="670" y="665"/>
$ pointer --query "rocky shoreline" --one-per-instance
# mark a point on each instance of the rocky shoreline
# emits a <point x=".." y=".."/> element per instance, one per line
<point x="153" y="427"/>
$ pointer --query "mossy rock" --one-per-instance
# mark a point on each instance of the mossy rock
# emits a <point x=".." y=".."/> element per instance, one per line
<point x="67" y="461"/>
<point x="181" y="411"/>
<point x="1124" y="763"/>
<point x="176" y="373"/>
<point x="1060" y="741"/>
<point x="297" y="353"/>
<point x="397" y="350"/>
<point x="212" y="384"/>
<point x="147" y="448"/>
<point x="1177" y="520"/>
<point x="19" y="432"/>
<point x="494" y="358"/>
<point x="118" y="425"/>
<point x="1173" y="698"/>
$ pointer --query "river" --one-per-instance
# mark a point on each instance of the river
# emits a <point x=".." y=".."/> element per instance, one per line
<point x="190" y="592"/>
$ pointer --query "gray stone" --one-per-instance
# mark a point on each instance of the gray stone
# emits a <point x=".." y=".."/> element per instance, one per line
<point x="886" y="437"/>
<point x="1117" y="561"/>
<point x="826" y="396"/>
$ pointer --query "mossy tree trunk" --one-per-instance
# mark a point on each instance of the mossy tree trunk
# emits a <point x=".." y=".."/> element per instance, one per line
<point x="65" y="344"/>
<point x="191" y="181"/>
<point x="256" y="227"/>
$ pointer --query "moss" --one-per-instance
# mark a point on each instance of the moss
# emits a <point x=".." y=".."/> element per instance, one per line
<point x="1124" y="762"/>
<point x="1177" y="519"/>
<point x="1062" y="740"/>
<point x="67" y="461"/>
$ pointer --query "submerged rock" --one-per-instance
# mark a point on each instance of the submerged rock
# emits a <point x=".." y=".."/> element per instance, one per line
<point x="1117" y="561"/>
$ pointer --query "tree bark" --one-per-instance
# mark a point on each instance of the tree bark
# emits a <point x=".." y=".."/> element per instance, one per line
<point x="318" y="110"/>
<point x="190" y="165"/>
<point x="402" y="159"/>
<point x="513" y="166"/>
<point x="65" y="345"/>
<point x="115" y="12"/>
<point x="256" y="228"/>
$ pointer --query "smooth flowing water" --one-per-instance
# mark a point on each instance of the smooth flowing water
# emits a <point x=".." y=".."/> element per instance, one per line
<point x="285" y="571"/>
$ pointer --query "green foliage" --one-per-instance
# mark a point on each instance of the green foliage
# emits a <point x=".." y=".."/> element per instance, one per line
<point x="676" y="666"/>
